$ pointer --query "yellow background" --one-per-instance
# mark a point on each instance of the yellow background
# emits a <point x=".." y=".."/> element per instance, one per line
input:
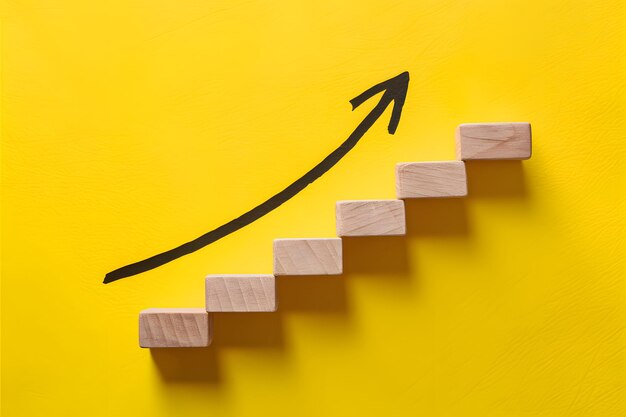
<point x="132" y="126"/>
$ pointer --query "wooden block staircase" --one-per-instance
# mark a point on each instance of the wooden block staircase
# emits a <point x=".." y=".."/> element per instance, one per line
<point x="164" y="328"/>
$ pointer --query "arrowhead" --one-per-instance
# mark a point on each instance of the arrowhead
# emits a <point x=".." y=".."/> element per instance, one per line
<point x="395" y="90"/>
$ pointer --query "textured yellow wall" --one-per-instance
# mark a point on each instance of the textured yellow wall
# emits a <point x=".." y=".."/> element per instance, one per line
<point x="133" y="126"/>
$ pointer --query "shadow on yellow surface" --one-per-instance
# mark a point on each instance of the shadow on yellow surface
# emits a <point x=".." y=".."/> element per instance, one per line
<point x="495" y="179"/>
<point x="377" y="256"/>
<point x="436" y="217"/>
<point x="314" y="294"/>
<point x="195" y="365"/>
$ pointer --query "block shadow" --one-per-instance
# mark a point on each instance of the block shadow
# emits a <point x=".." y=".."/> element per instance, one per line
<point x="436" y="217"/>
<point x="496" y="179"/>
<point x="374" y="255"/>
<point x="189" y="365"/>
<point x="248" y="330"/>
<point x="321" y="294"/>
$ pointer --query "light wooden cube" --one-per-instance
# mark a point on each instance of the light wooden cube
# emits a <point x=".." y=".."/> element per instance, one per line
<point x="431" y="179"/>
<point x="240" y="293"/>
<point x="175" y="327"/>
<point x="370" y="218"/>
<point x="493" y="141"/>
<point x="308" y="257"/>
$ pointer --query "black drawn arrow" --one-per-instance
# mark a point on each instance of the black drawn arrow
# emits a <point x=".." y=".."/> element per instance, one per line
<point x="394" y="90"/>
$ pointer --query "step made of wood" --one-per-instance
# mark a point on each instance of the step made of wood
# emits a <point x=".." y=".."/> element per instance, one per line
<point x="431" y="179"/>
<point x="370" y="218"/>
<point x="175" y="327"/>
<point x="240" y="293"/>
<point x="308" y="256"/>
<point x="493" y="141"/>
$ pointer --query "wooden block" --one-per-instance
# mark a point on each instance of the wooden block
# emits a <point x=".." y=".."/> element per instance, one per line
<point x="431" y="179"/>
<point x="175" y="327"/>
<point x="493" y="141"/>
<point x="240" y="293"/>
<point x="308" y="257"/>
<point x="370" y="218"/>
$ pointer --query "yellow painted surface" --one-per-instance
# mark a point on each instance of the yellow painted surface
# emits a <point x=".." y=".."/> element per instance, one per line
<point x="132" y="126"/>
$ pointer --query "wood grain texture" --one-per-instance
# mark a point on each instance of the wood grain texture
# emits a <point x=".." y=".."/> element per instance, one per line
<point x="493" y="141"/>
<point x="240" y="293"/>
<point x="431" y="179"/>
<point x="370" y="218"/>
<point x="308" y="256"/>
<point x="175" y="327"/>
